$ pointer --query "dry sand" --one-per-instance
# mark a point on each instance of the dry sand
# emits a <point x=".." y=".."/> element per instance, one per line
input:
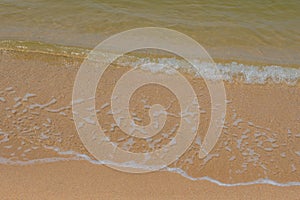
<point x="82" y="180"/>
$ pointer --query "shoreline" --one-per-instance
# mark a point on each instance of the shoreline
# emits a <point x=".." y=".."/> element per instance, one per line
<point x="168" y="170"/>
<point x="77" y="52"/>
<point x="42" y="86"/>
<point x="210" y="109"/>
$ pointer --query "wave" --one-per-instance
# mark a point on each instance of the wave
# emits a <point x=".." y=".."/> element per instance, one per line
<point x="230" y="71"/>
<point x="43" y="48"/>
<point x="223" y="71"/>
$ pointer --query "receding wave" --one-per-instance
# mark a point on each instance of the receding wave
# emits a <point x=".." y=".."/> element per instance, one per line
<point x="73" y="156"/>
<point x="259" y="143"/>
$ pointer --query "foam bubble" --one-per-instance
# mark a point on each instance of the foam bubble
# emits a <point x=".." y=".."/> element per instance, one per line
<point x="227" y="72"/>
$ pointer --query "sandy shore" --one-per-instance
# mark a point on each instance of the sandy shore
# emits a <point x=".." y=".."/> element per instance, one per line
<point x="260" y="139"/>
<point x="82" y="180"/>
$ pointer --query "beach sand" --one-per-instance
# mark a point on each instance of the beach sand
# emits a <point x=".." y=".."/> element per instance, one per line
<point x="44" y="118"/>
<point x="82" y="180"/>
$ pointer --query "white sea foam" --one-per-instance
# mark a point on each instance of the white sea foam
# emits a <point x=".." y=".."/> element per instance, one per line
<point x="78" y="156"/>
<point x="227" y="72"/>
<point x="27" y="96"/>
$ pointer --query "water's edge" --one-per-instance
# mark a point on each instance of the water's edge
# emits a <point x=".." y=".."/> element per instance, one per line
<point x="256" y="73"/>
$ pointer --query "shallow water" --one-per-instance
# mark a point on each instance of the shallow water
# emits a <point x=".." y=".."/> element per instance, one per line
<point x="262" y="31"/>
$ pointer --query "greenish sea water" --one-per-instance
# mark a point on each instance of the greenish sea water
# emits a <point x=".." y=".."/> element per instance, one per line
<point x="265" y="31"/>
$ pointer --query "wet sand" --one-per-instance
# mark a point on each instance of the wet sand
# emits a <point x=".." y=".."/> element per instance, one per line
<point x="261" y="139"/>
